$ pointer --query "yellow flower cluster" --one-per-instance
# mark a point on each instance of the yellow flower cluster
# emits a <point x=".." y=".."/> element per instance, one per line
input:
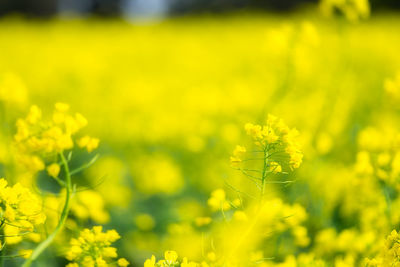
<point x="93" y="248"/>
<point x="171" y="260"/>
<point x="279" y="143"/>
<point x="20" y="212"/>
<point x="38" y="137"/>
<point x="390" y="253"/>
<point x="89" y="143"/>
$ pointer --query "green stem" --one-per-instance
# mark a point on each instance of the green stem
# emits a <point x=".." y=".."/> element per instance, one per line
<point x="2" y="247"/>
<point x="261" y="204"/>
<point x="264" y="172"/>
<point x="42" y="246"/>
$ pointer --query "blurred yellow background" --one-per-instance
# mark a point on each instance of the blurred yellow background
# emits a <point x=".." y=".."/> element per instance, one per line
<point x="168" y="101"/>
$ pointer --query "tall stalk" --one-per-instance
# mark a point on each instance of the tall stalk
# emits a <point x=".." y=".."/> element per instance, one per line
<point x="64" y="215"/>
<point x="264" y="172"/>
<point x="261" y="203"/>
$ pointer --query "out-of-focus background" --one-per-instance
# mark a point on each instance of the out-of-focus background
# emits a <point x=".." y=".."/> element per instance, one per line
<point x="167" y="86"/>
<point x="142" y="8"/>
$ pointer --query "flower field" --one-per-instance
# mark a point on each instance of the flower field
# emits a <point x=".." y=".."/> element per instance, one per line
<point x="248" y="139"/>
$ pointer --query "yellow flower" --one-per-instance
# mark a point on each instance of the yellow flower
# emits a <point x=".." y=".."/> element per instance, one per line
<point x="53" y="170"/>
<point x="170" y="256"/>
<point x="388" y="255"/>
<point x="269" y="135"/>
<point x="21" y="210"/>
<point x="110" y="252"/>
<point x="25" y="253"/>
<point x="38" y="138"/>
<point x="217" y="201"/>
<point x="253" y="130"/>
<point x="89" y="143"/>
<point x="122" y="262"/>
<point x="34" y="115"/>
<point x="275" y="167"/>
<point x="150" y="262"/>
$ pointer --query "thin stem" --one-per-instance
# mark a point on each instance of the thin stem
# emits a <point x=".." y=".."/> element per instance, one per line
<point x="261" y="204"/>
<point x="2" y="245"/>
<point x="44" y="244"/>
<point x="238" y="191"/>
<point x="251" y="176"/>
<point x="264" y="172"/>
<point x="59" y="181"/>
<point x="85" y="166"/>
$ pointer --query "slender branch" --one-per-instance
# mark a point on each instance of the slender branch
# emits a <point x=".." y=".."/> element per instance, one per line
<point x="2" y="244"/>
<point x="251" y="176"/>
<point x="59" y="181"/>
<point x="238" y="191"/>
<point x="85" y="166"/>
<point x="44" y="244"/>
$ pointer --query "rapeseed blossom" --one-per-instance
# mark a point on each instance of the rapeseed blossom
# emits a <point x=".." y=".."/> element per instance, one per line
<point x="38" y="137"/>
<point x="238" y="238"/>
<point x="277" y="140"/>
<point x="21" y="212"/>
<point x="39" y="141"/>
<point x="93" y="248"/>
<point x="389" y="254"/>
